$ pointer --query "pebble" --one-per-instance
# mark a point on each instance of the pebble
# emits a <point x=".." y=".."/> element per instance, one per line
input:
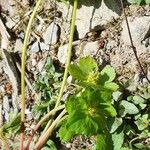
<point x="51" y="35"/>
<point x="40" y="65"/>
<point x="34" y="63"/>
<point x="37" y="46"/>
<point x="1" y="67"/>
<point x="6" y="104"/>
<point x="92" y="15"/>
<point x="18" y="46"/>
<point x="62" y="53"/>
<point x="139" y="27"/>
<point x="90" y="48"/>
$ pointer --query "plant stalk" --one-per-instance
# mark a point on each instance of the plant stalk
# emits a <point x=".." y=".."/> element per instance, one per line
<point x="69" y="53"/>
<point x="43" y="138"/>
<point x="27" y="35"/>
<point x="41" y="121"/>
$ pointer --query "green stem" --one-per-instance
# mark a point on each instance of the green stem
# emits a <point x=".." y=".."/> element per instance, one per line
<point x="43" y="138"/>
<point x="69" y="53"/>
<point x="41" y="121"/>
<point x="28" y="31"/>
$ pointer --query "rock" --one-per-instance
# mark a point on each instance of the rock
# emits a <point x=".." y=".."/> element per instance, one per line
<point x="18" y="46"/>
<point x="37" y="46"/>
<point x="62" y="52"/>
<point x="12" y="73"/>
<point x="9" y="6"/>
<point x="6" y="107"/>
<point x="10" y="23"/>
<point x="28" y="113"/>
<point x="33" y="62"/>
<point x="92" y="15"/>
<point x="41" y="64"/>
<point x="6" y="104"/>
<point x="90" y="48"/>
<point x="51" y="34"/>
<point x="139" y="27"/>
<point x="2" y="89"/>
<point x="1" y="67"/>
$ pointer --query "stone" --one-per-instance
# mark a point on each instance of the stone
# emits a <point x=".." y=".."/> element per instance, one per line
<point x="18" y="46"/>
<point x="33" y="62"/>
<point x="139" y="28"/>
<point x="6" y="103"/>
<point x="37" y="46"/>
<point x="90" y="48"/>
<point x="12" y="73"/>
<point x="41" y="64"/>
<point x="92" y="15"/>
<point x="1" y="67"/>
<point x="10" y="23"/>
<point x="28" y="113"/>
<point x="62" y="52"/>
<point x="2" y="89"/>
<point x="51" y="35"/>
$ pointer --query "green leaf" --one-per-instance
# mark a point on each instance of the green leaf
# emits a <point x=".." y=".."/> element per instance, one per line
<point x="50" y="145"/>
<point x="104" y="142"/>
<point x="77" y="103"/>
<point x="135" y="1"/>
<point x="125" y="148"/>
<point x="138" y="99"/>
<point x="105" y="96"/>
<point x="65" y="134"/>
<point x="129" y="131"/>
<point x="14" y="124"/>
<point x="112" y="86"/>
<point x="107" y="74"/>
<point x="114" y="124"/>
<point x="80" y="123"/>
<point x="87" y="65"/>
<point x="142" y="122"/>
<point x="147" y="1"/>
<point x="140" y="146"/>
<point x="142" y="106"/>
<point x="117" y="95"/>
<point x="145" y="133"/>
<point x="129" y="108"/>
<point x="118" y="139"/>
<point x="76" y="72"/>
<point x="108" y="109"/>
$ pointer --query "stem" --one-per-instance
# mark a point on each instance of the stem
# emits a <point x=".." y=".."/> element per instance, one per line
<point x="69" y="53"/>
<point x="41" y="121"/>
<point x="43" y="138"/>
<point x="23" y="70"/>
<point x="132" y="45"/>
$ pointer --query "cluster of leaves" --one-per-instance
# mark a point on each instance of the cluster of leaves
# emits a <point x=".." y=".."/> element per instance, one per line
<point x="47" y="84"/>
<point x="91" y="105"/>
<point x="12" y="126"/>
<point x="139" y="2"/>
<point x="131" y="126"/>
